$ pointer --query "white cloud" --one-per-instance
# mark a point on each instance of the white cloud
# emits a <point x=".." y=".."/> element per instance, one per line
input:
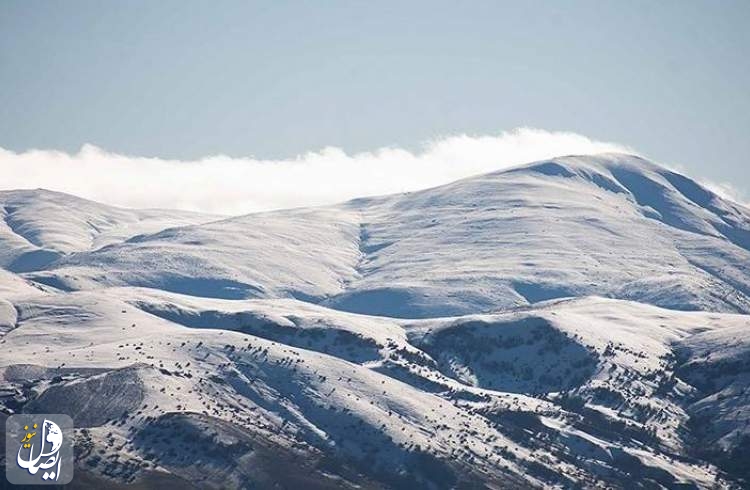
<point x="222" y="184"/>
<point x="725" y="190"/>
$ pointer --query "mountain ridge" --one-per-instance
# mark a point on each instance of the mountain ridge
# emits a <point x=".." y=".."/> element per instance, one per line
<point x="577" y="322"/>
<point x="356" y="249"/>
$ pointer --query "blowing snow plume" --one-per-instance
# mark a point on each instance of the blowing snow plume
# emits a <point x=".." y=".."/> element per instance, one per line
<point x="223" y="184"/>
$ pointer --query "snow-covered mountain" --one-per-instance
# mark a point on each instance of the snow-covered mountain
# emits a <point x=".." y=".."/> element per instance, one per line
<point x="40" y="226"/>
<point x="577" y="322"/>
<point x="612" y="225"/>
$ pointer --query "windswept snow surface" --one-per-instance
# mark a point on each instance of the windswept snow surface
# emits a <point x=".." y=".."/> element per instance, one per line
<point x="579" y="322"/>
<point x="612" y="225"/>
<point x="40" y="226"/>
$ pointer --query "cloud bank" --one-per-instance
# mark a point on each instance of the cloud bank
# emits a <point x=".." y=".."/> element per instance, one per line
<point x="226" y="185"/>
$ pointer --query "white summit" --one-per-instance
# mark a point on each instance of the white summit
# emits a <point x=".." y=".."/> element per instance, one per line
<point x="576" y="322"/>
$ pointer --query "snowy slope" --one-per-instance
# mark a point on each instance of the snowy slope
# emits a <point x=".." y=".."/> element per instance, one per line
<point x="403" y="403"/>
<point x="299" y="253"/>
<point x="521" y="329"/>
<point x="39" y="226"/>
<point x="612" y="225"/>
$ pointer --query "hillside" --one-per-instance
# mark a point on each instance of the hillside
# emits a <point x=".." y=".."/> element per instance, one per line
<point x="613" y="225"/>
<point x="582" y="391"/>
<point x="40" y="226"/>
<point x="579" y="322"/>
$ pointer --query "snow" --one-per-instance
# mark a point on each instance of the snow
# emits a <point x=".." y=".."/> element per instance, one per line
<point x="618" y="227"/>
<point x="577" y="322"/>
<point x="39" y="226"/>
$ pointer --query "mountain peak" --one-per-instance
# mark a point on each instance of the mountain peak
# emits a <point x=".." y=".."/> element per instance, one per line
<point x="587" y="165"/>
<point x="612" y="225"/>
<point x="508" y="313"/>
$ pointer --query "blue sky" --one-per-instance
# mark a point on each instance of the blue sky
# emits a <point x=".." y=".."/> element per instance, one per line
<point x="185" y="80"/>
